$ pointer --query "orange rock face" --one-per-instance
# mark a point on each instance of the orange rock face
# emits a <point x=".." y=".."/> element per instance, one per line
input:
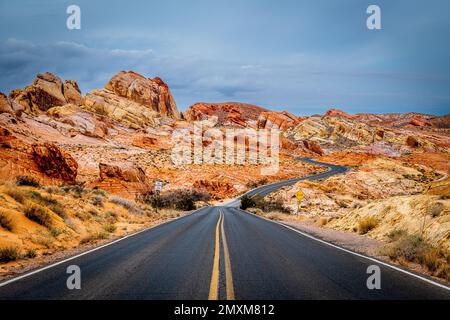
<point x="218" y="189"/>
<point x="127" y="182"/>
<point x="45" y="162"/>
<point x="55" y="163"/>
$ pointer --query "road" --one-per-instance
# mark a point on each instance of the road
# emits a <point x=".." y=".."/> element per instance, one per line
<point x="220" y="253"/>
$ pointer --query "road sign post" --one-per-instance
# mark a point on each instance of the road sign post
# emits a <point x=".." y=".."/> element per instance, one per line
<point x="299" y="195"/>
<point x="158" y="188"/>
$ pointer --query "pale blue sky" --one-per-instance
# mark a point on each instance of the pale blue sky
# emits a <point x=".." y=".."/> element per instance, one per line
<point x="302" y="56"/>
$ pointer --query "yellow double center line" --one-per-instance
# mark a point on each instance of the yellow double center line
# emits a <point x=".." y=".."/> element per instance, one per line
<point x="214" y="286"/>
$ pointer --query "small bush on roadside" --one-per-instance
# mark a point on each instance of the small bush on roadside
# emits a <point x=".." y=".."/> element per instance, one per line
<point x="110" y="228"/>
<point x="257" y="183"/>
<point x="27" y="181"/>
<point x="37" y="214"/>
<point x="367" y="224"/>
<point x="30" y="254"/>
<point x="183" y="200"/>
<point x="127" y="204"/>
<point x="414" y="248"/>
<point x="9" y="254"/>
<point x="93" y="237"/>
<point x="396" y="234"/>
<point x="5" y="222"/>
<point x="247" y="202"/>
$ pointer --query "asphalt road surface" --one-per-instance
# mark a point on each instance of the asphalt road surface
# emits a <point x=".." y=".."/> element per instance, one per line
<point x="221" y="253"/>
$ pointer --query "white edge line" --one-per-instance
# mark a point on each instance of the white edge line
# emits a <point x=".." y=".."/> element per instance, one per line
<point x="5" y="283"/>
<point x="352" y="252"/>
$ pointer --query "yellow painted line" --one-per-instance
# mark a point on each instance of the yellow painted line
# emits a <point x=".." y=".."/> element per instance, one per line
<point x="228" y="273"/>
<point x="214" y="286"/>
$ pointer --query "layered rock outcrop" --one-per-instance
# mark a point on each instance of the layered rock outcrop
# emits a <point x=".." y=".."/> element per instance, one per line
<point x="47" y="91"/>
<point x="277" y="120"/>
<point x="133" y="100"/>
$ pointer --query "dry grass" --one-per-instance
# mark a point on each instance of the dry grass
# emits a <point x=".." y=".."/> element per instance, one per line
<point x="9" y="254"/>
<point x="17" y="194"/>
<point x="323" y="222"/>
<point x="94" y="237"/>
<point x="412" y="248"/>
<point x="366" y="224"/>
<point x="5" y="222"/>
<point x="38" y="214"/>
<point x="110" y="228"/>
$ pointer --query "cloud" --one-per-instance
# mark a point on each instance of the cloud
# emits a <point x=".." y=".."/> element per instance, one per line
<point x="303" y="84"/>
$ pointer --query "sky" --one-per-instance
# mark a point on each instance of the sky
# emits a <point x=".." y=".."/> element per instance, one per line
<point x="302" y="56"/>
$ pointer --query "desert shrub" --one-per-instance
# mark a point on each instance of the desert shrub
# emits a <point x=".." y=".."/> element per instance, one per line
<point x="9" y="254"/>
<point x="414" y="248"/>
<point x="257" y="183"/>
<point x="27" y="181"/>
<point x="177" y="199"/>
<point x="110" y="228"/>
<point x="77" y="190"/>
<point x="435" y="209"/>
<point x="97" y="200"/>
<point x="407" y="247"/>
<point x="30" y="254"/>
<point x="93" y="237"/>
<point x="54" y="232"/>
<point x="263" y="204"/>
<point x="367" y="224"/>
<point x="5" y="222"/>
<point x="37" y="214"/>
<point x="323" y="221"/>
<point x="247" y="202"/>
<point x="17" y="194"/>
<point x="127" y="204"/>
<point x="270" y="205"/>
<point x="396" y="234"/>
<point x="50" y="203"/>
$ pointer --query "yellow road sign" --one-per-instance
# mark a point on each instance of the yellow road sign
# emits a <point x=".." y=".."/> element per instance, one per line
<point x="300" y="195"/>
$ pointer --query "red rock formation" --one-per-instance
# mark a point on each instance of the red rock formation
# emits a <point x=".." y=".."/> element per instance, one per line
<point x="228" y="113"/>
<point x="44" y="162"/>
<point x="412" y="142"/>
<point x="55" y="163"/>
<point x="218" y="189"/>
<point x="152" y="93"/>
<point x="133" y="174"/>
<point x="338" y="113"/>
<point x="277" y="120"/>
<point x="313" y="146"/>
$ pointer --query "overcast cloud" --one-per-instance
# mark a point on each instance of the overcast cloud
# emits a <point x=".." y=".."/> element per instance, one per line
<point x="303" y="56"/>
